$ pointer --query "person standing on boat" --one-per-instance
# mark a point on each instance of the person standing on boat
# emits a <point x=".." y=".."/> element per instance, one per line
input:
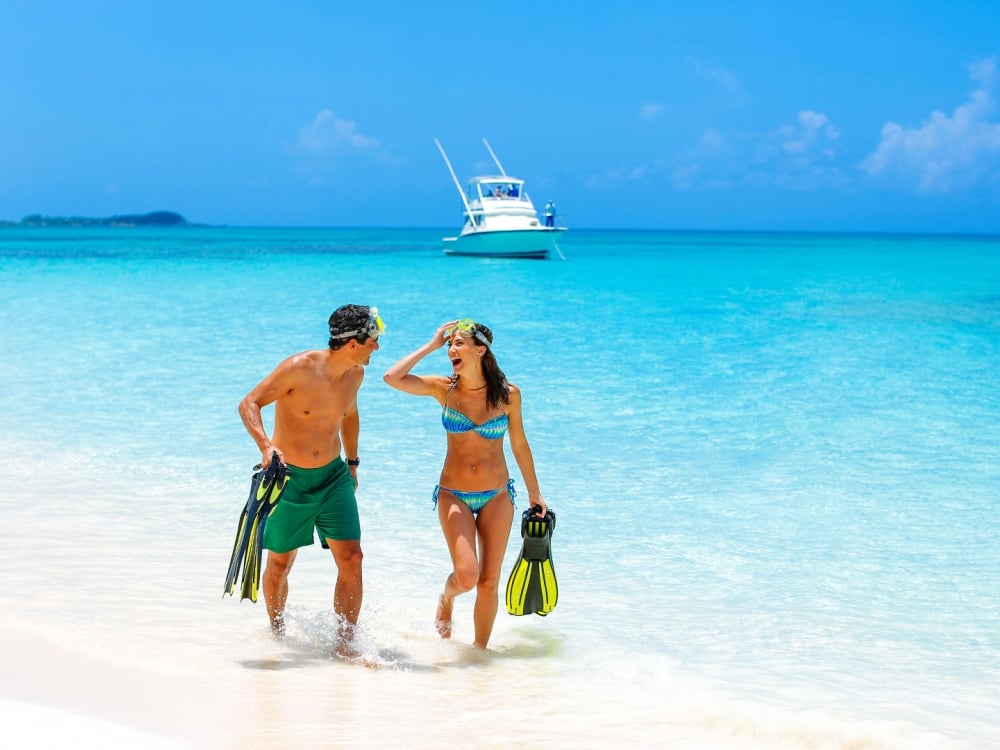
<point x="475" y="497"/>
<point x="315" y="397"/>
<point x="550" y="214"/>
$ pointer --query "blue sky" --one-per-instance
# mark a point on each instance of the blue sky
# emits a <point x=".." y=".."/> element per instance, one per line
<point x="704" y="115"/>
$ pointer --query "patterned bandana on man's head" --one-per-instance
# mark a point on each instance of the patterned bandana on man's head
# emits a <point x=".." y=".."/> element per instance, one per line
<point x="373" y="327"/>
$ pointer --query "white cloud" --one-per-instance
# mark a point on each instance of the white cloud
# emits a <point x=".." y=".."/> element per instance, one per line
<point x="813" y="128"/>
<point x="803" y="155"/>
<point x="650" y="111"/>
<point x="626" y="174"/>
<point x="797" y="156"/>
<point x="718" y="76"/>
<point x="713" y="142"/>
<point x="705" y="164"/>
<point x="620" y="175"/>
<point x="945" y="153"/>
<point x="685" y="177"/>
<point x="327" y="132"/>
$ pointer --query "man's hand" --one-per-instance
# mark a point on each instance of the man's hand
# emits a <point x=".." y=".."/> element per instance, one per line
<point x="267" y="452"/>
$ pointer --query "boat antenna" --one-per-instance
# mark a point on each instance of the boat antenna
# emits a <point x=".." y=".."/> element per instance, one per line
<point x="458" y="184"/>
<point x="499" y="165"/>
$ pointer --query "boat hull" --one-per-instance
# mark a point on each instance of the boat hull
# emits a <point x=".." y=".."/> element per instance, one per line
<point x="530" y="244"/>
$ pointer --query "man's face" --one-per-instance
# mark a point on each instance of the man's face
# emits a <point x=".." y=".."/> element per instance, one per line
<point x="364" y="351"/>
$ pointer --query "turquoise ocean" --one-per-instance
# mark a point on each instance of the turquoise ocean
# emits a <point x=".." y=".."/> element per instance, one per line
<point x="775" y="460"/>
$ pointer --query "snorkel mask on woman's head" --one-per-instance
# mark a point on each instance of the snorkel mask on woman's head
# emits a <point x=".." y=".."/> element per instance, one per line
<point x="372" y="328"/>
<point x="467" y="327"/>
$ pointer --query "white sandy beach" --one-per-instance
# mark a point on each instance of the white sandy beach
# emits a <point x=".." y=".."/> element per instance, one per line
<point x="54" y="697"/>
<point x="33" y="726"/>
<point x="51" y="697"/>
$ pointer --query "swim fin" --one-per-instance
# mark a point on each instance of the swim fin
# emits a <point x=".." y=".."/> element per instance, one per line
<point x="265" y="489"/>
<point x="532" y="588"/>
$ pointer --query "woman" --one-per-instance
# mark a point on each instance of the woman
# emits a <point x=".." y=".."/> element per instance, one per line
<point x="475" y="495"/>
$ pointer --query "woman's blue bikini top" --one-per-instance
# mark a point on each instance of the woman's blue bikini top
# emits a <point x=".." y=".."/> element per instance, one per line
<point x="455" y="421"/>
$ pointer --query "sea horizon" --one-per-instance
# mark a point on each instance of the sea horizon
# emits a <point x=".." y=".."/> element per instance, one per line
<point x="194" y="225"/>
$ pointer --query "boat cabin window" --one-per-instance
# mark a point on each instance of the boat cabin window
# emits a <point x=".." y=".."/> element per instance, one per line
<point x="499" y="190"/>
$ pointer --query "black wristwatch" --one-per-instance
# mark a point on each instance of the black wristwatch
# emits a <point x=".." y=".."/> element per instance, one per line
<point x="354" y="462"/>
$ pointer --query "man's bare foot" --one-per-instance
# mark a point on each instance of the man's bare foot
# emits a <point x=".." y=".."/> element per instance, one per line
<point x="442" y="621"/>
<point x="348" y="652"/>
<point x="278" y="626"/>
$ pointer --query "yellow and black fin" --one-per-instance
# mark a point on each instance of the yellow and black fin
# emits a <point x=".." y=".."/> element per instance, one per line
<point x="532" y="587"/>
<point x="265" y="489"/>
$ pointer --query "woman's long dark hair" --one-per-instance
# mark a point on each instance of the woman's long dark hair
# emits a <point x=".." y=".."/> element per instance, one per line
<point x="497" y="388"/>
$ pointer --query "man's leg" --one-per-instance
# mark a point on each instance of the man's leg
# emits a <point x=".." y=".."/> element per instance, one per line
<point x="349" y="588"/>
<point x="276" y="587"/>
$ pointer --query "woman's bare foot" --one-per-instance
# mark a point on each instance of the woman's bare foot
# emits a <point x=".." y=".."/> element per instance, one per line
<point x="442" y="621"/>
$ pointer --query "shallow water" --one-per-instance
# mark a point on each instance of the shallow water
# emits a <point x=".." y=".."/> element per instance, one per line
<point x="773" y="457"/>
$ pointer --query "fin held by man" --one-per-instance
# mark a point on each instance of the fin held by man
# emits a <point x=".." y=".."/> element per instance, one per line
<point x="265" y="489"/>
<point x="532" y="588"/>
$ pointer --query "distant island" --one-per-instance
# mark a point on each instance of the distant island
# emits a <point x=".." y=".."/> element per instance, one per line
<point x="152" y="219"/>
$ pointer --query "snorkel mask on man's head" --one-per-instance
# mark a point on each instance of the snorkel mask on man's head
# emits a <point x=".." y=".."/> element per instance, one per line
<point x="372" y="328"/>
<point x="468" y="327"/>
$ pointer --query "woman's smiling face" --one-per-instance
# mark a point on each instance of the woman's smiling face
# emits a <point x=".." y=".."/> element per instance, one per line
<point x="462" y="349"/>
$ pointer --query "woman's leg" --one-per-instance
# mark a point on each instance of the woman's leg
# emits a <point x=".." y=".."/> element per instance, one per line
<point x="459" y="527"/>
<point x="494" y="530"/>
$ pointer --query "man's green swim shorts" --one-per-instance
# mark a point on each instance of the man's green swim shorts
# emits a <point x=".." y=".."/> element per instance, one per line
<point x="322" y="498"/>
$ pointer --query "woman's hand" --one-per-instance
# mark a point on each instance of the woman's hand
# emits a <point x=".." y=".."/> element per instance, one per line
<point x="536" y="502"/>
<point x="441" y="335"/>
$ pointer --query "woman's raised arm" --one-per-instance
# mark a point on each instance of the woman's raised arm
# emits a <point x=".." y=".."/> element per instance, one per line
<point x="399" y="377"/>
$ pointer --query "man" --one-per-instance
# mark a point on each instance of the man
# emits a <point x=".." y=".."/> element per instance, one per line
<point x="315" y="416"/>
<point x="550" y="214"/>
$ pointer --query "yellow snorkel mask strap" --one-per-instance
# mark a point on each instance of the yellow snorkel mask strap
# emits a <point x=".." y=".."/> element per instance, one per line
<point x="373" y="317"/>
<point x="467" y="327"/>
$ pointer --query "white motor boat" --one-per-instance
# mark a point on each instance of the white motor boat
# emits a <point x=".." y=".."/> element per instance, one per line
<point x="500" y="220"/>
